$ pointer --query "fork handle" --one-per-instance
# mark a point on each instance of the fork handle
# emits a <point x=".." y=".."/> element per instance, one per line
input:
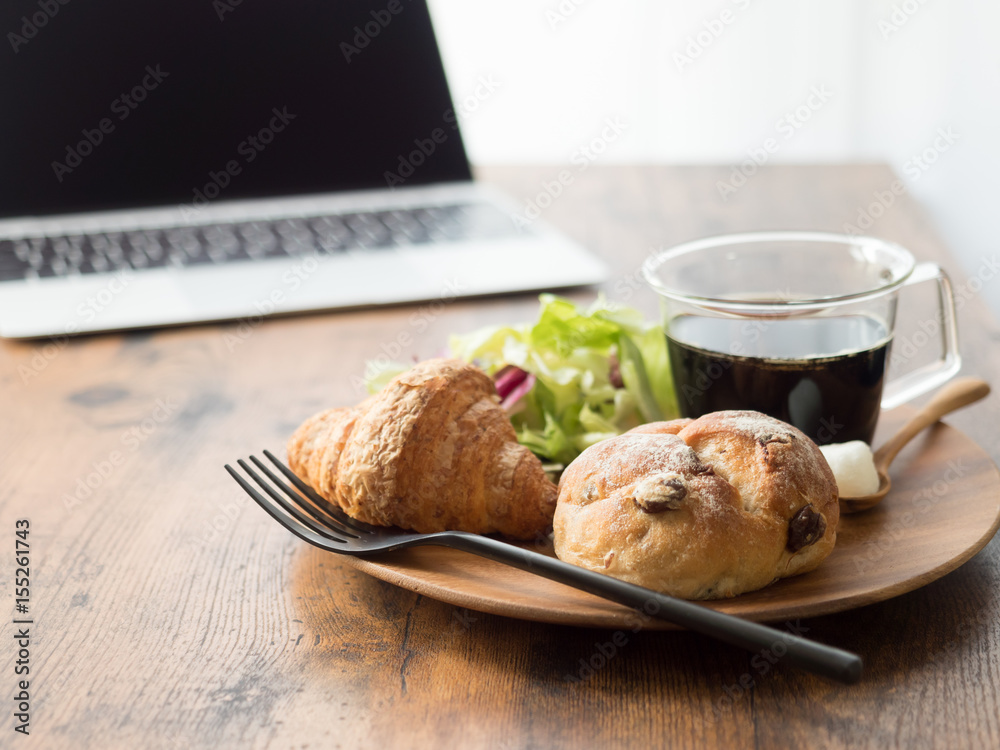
<point x="815" y="657"/>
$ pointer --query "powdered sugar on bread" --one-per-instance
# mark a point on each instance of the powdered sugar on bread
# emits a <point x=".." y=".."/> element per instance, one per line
<point x="700" y="508"/>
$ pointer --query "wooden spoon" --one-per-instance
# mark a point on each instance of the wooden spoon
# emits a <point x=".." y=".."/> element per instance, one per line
<point x="956" y="394"/>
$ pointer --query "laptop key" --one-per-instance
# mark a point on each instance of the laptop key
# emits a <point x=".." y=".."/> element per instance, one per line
<point x="155" y="251"/>
<point x="236" y="252"/>
<point x="291" y="226"/>
<point x="254" y="251"/>
<point x="328" y="225"/>
<point x="149" y="243"/>
<point x="116" y="257"/>
<point x="158" y="262"/>
<point x="14" y="251"/>
<point x="359" y="223"/>
<point x="74" y="257"/>
<point x="331" y="245"/>
<point x="269" y="247"/>
<point x="11" y="266"/>
<point x="184" y="239"/>
<point x="372" y="241"/>
<point x="414" y="233"/>
<point x="215" y="254"/>
<point x="47" y="253"/>
<point x="332" y="235"/>
<point x="216" y="234"/>
<point x="98" y="264"/>
<point x="198" y="257"/>
<point x="252" y="230"/>
<point x="99" y="243"/>
<point x="248" y="240"/>
<point x="223" y="243"/>
<point x="60" y="245"/>
<point x="453" y="230"/>
<point x="427" y="216"/>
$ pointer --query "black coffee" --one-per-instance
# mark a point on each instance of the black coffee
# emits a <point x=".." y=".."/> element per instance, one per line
<point x="823" y="375"/>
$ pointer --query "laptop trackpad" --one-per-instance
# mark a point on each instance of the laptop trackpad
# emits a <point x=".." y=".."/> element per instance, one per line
<point x="305" y="282"/>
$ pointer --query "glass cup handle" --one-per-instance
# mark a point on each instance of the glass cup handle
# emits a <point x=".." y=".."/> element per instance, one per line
<point x="929" y="376"/>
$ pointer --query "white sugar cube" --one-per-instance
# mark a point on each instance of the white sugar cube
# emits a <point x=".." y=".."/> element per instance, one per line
<point x="853" y="467"/>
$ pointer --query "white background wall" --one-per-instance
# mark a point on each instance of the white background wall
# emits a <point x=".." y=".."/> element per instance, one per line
<point x="893" y="73"/>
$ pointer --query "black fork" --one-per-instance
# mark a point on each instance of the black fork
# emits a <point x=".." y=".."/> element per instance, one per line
<point x="317" y="521"/>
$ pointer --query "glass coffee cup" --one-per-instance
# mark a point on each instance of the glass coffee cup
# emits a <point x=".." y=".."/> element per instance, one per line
<point x="797" y="325"/>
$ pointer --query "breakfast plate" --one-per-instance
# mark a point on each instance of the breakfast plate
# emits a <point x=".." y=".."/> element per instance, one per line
<point x="943" y="508"/>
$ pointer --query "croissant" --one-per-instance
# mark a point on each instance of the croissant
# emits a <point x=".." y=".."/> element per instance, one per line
<point x="432" y="451"/>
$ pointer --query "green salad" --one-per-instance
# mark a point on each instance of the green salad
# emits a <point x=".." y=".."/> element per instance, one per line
<point x="572" y="378"/>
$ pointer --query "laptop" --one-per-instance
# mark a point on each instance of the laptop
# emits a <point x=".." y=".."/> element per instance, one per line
<point x="182" y="161"/>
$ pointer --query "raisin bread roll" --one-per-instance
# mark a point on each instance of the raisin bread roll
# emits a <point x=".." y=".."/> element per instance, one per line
<point x="699" y="509"/>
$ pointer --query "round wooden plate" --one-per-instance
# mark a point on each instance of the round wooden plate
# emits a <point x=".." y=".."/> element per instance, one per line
<point x="944" y="507"/>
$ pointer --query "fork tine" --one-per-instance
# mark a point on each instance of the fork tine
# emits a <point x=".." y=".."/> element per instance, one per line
<point x="317" y="499"/>
<point x="292" y="509"/>
<point x="301" y="531"/>
<point x="315" y="513"/>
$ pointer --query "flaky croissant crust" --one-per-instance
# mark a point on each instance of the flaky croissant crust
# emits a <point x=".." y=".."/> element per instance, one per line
<point x="432" y="451"/>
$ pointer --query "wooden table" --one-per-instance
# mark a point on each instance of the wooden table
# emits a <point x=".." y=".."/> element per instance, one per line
<point x="170" y="612"/>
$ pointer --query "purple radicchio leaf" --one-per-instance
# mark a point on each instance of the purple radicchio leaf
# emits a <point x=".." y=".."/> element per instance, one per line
<point x="512" y="383"/>
<point x="615" y="373"/>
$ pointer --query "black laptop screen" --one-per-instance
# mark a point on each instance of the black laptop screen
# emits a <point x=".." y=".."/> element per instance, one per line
<point x="115" y="103"/>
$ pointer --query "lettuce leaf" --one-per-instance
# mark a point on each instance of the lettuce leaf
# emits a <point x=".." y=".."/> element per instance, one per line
<point x="575" y="356"/>
<point x="593" y="374"/>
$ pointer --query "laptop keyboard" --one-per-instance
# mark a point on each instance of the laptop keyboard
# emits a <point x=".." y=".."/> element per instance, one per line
<point x="40" y="257"/>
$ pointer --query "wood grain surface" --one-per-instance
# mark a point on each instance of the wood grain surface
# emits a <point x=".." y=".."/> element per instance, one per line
<point x="169" y="612"/>
<point x="914" y="537"/>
